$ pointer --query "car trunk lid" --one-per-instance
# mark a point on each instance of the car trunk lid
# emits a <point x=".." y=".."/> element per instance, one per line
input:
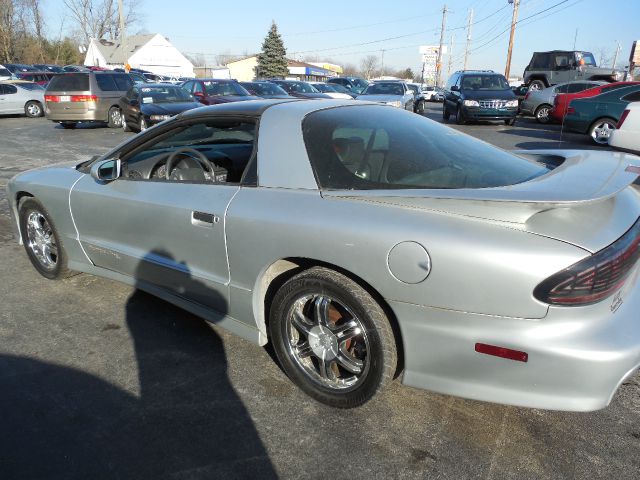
<point x="584" y="201"/>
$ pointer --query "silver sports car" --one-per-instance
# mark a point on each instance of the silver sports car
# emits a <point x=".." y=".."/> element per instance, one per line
<point x="365" y="242"/>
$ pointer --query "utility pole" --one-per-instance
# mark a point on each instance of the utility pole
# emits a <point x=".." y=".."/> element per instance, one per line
<point x="615" y="57"/>
<point x="575" y="37"/>
<point x="450" y="52"/>
<point x="514" y="20"/>
<point x="466" y="48"/>
<point x="382" y="67"/>
<point x="121" y="15"/>
<point x="439" y="62"/>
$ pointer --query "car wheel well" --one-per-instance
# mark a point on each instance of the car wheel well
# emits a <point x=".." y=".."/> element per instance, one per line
<point x="282" y="270"/>
<point x="20" y="196"/>
<point x="542" y="78"/>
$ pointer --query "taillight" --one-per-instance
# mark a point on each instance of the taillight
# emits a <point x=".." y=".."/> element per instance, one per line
<point x="52" y="98"/>
<point x="623" y="117"/>
<point x="527" y="95"/>
<point x="84" y="98"/>
<point x="593" y="278"/>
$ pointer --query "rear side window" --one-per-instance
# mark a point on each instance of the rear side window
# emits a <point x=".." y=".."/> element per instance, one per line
<point x="632" y="97"/>
<point x="541" y="61"/>
<point x="380" y="148"/>
<point x="70" y="82"/>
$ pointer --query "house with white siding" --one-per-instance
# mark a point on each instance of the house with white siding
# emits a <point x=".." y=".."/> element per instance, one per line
<point x="151" y="52"/>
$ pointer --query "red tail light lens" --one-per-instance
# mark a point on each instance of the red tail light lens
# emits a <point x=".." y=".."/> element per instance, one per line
<point x="52" y="98"/>
<point x="84" y="98"/>
<point x="526" y="95"/>
<point x="593" y="278"/>
<point x="623" y="117"/>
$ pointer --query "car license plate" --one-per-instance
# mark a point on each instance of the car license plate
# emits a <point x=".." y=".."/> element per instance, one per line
<point x="65" y="98"/>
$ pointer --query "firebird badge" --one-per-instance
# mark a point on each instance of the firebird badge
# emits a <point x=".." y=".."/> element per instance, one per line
<point x="617" y="302"/>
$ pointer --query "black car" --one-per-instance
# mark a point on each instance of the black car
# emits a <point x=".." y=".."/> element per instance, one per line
<point x="299" y="89"/>
<point x="265" y="89"/>
<point x="355" y="85"/>
<point x="145" y="105"/>
<point x="474" y="95"/>
<point x="46" y="67"/>
<point x="15" y="68"/>
<point x="419" y="97"/>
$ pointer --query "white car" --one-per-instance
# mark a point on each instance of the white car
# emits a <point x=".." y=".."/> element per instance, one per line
<point x="331" y="90"/>
<point x="21" y="97"/>
<point x="626" y="136"/>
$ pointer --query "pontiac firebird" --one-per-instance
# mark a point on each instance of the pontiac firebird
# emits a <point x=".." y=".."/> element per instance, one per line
<point x="365" y="242"/>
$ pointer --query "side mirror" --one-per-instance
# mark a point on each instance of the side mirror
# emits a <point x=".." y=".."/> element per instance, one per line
<point x="454" y="88"/>
<point x="107" y="170"/>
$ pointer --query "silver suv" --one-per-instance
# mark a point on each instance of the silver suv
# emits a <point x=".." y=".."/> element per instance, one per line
<point x="86" y="97"/>
<point x="560" y="66"/>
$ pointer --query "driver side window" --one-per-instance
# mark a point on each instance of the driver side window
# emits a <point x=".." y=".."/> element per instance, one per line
<point x="212" y="151"/>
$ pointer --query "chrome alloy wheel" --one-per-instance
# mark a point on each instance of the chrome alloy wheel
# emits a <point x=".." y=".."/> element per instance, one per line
<point x="327" y="341"/>
<point x="116" y="117"/>
<point x="41" y="240"/>
<point x="34" y="109"/>
<point x="602" y="131"/>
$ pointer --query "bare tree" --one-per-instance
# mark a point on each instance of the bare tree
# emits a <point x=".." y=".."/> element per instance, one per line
<point x="226" y="57"/>
<point x="368" y="66"/>
<point x="349" y="69"/>
<point x="100" y="19"/>
<point x="7" y="29"/>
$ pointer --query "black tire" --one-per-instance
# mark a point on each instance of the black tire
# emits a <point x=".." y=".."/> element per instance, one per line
<point x="460" y="118"/>
<point x="31" y="210"/>
<point x="537" y="85"/>
<point x="114" y="118"/>
<point x="69" y="125"/>
<point x="543" y="113"/>
<point x="420" y="107"/>
<point x="379" y="362"/>
<point x="33" y="109"/>
<point x="445" y="112"/>
<point x="510" y="122"/>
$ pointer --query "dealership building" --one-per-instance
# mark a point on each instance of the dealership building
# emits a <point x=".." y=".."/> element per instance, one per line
<point x="244" y="70"/>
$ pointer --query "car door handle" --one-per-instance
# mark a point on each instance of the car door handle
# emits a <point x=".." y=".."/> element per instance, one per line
<point x="204" y="219"/>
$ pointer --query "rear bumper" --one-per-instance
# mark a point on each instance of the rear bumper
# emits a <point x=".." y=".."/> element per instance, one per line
<point x="476" y="113"/>
<point x="627" y="140"/>
<point x="578" y="356"/>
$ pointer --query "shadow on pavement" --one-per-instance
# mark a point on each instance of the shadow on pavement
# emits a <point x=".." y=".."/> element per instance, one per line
<point x="187" y="422"/>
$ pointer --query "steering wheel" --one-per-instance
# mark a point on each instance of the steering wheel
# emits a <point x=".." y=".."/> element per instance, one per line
<point x="201" y="159"/>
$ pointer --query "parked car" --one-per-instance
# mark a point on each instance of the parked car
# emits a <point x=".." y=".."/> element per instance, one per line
<point x="211" y="91"/>
<point x="341" y="89"/>
<point x="15" y="68"/>
<point x="559" y="66"/>
<point x="561" y="101"/>
<point x="20" y="97"/>
<point x="4" y="73"/>
<point x="393" y="93"/>
<point x="428" y="91"/>
<point x="299" y="89"/>
<point x="520" y="91"/>
<point x="75" y="68"/>
<point x="419" y="99"/>
<point x="438" y="95"/>
<point x="539" y="103"/>
<point x="356" y="85"/>
<point x="331" y="90"/>
<point x="46" y="67"/>
<point x="626" y="136"/>
<point x="138" y="77"/>
<point x="146" y="105"/>
<point x="598" y="116"/>
<point x="41" y="78"/>
<point x="473" y="95"/>
<point x="264" y="89"/>
<point x="71" y="98"/>
<point x="347" y="259"/>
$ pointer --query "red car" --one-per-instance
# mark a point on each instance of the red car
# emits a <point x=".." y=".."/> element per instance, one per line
<point x="41" y="78"/>
<point x="561" y="101"/>
<point x="211" y="91"/>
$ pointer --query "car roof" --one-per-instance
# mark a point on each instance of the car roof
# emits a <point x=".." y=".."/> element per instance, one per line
<point x="158" y="84"/>
<point x="243" y="108"/>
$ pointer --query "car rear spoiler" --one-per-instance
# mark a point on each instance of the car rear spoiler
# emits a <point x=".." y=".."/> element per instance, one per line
<point x="583" y="177"/>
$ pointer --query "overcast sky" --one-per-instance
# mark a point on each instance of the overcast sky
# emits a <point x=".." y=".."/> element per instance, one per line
<point x="347" y="31"/>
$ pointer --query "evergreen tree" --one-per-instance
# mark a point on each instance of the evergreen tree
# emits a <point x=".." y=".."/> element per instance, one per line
<point x="272" y="62"/>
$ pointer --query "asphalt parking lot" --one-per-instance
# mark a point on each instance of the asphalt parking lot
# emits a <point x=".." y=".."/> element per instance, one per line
<point x="98" y="380"/>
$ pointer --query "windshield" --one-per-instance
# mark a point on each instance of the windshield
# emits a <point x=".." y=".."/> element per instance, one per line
<point x="484" y="82"/>
<point x="414" y="88"/>
<point x="384" y="89"/>
<point x="4" y="72"/>
<point x="588" y="59"/>
<point x="376" y="147"/>
<point x="266" y="89"/>
<point x="165" y="95"/>
<point x="214" y="88"/>
<point x="301" y="87"/>
<point x="325" y="87"/>
<point x="360" y="84"/>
